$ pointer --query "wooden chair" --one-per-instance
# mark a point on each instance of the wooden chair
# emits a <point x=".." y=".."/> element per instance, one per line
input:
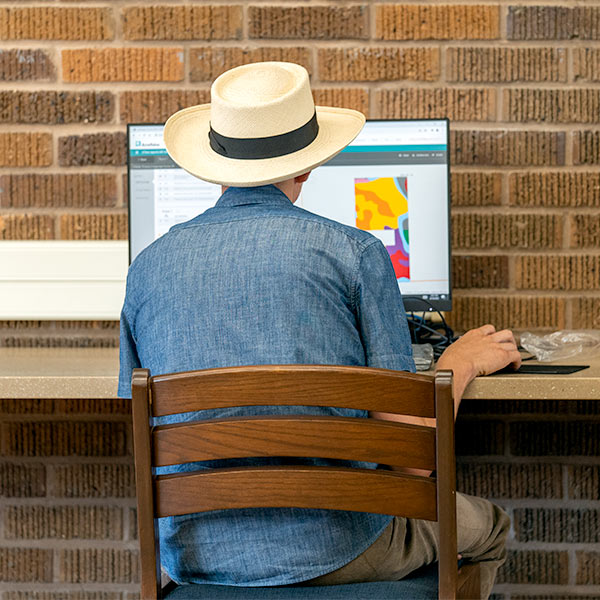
<point x="377" y="491"/>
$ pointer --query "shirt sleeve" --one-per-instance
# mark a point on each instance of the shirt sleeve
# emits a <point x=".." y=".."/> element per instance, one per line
<point x="128" y="357"/>
<point x="380" y="312"/>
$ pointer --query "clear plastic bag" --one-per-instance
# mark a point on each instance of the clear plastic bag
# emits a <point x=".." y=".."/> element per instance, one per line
<point x="423" y="356"/>
<point x="561" y="344"/>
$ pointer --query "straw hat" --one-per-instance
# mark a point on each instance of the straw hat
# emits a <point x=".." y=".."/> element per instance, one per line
<point x="261" y="127"/>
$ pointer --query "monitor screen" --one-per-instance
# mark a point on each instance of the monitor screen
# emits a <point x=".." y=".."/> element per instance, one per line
<point x="393" y="181"/>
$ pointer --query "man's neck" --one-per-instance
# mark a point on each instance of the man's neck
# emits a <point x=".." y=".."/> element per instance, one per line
<point x="288" y="187"/>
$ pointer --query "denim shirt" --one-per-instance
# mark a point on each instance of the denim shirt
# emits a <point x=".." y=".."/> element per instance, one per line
<point x="256" y="280"/>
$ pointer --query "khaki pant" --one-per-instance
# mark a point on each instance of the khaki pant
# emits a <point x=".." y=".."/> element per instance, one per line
<point x="407" y="544"/>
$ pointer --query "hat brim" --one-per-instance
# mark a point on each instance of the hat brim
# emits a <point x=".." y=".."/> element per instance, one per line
<point x="186" y="140"/>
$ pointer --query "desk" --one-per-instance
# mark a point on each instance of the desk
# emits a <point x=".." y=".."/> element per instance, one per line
<point x="67" y="485"/>
<point x="93" y="373"/>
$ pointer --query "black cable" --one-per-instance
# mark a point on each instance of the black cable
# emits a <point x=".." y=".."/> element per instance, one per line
<point x="439" y="335"/>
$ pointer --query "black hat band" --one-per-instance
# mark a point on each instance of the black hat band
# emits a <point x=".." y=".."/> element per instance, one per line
<point x="265" y="147"/>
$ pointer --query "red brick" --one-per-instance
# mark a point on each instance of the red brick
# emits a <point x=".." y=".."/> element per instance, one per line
<point x="19" y="565"/>
<point x="355" y="98"/>
<point x="26" y="227"/>
<point x="555" y="438"/>
<point x="56" y="334"/>
<point x="36" y="325"/>
<point x="308" y="22"/>
<point x="585" y="231"/>
<point x="28" y="406"/>
<point x="520" y="408"/>
<point x="56" y="108"/>
<point x="513" y="312"/>
<point x="553" y="23"/>
<point x="209" y="22"/>
<point x="566" y="273"/>
<point x="57" y="190"/>
<point x="22" y="481"/>
<point x="505" y="148"/>
<point x="379" y="64"/>
<point x="535" y="566"/>
<point x="476" y="189"/>
<point x="25" y="149"/>
<point x="64" y="438"/>
<point x="586" y="64"/>
<point x="112" y="226"/>
<point x="588" y="568"/>
<point x="133" y="525"/>
<point x="528" y="231"/>
<point x="507" y="65"/>
<point x="122" y="64"/>
<point x="479" y="271"/>
<point x="586" y="148"/>
<point x="93" y="406"/>
<point x="94" y="481"/>
<point x="58" y="341"/>
<point x="156" y="106"/>
<point x="487" y="438"/>
<point x="582" y="407"/>
<point x="552" y="106"/>
<point x="55" y="23"/>
<point x="78" y="595"/>
<point x="33" y="522"/>
<point x="95" y="565"/>
<point x="555" y="526"/>
<point x="23" y="65"/>
<point x="509" y="481"/>
<point x="555" y="189"/>
<point x="454" y="103"/>
<point x="88" y="325"/>
<point x="435" y="22"/>
<point x="586" y="313"/>
<point x="207" y="63"/>
<point x="584" y="482"/>
<point x="92" y="149"/>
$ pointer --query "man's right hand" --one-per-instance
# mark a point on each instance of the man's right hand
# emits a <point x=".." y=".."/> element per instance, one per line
<point x="479" y="351"/>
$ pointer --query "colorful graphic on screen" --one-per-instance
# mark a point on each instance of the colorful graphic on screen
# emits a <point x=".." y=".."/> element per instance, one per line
<point x="382" y="205"/>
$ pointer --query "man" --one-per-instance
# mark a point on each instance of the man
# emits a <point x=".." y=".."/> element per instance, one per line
<point x="256" y="280"/>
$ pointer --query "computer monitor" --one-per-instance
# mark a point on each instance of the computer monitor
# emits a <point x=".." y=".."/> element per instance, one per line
<point x="393" y="180"/>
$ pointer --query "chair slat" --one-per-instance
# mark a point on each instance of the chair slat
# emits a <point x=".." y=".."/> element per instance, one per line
<point x="363" y="490"/>
<point x="300" y="385"/>
<point x="370" y="440"/>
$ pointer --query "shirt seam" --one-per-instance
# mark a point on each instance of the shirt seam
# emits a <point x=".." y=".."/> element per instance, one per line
<point x="363" y="245"/>
<point x="355" y="273"/>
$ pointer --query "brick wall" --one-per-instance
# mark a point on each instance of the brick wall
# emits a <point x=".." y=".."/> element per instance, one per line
<point x="521" y="84"/>
<point x="67" y="501"/>
<point x="540" y="460"/>
<point x="67" y="506"/>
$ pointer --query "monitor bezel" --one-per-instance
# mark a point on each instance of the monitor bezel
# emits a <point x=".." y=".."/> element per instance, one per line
<point x="411" y="303"/>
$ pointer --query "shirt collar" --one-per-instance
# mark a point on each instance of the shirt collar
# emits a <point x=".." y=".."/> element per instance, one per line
<point x="262" y="195"/>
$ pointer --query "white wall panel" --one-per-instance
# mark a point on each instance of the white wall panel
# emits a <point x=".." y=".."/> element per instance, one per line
<point x="62" y="279"/>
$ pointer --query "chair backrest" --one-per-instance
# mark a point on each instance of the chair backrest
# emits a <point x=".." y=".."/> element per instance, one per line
<point x="342" y="488"/>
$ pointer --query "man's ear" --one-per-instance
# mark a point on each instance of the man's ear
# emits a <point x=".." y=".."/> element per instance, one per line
<point x="302" y="178"/>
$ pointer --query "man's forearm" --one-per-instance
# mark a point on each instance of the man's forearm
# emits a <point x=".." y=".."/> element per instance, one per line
<point x="461" y="378"/>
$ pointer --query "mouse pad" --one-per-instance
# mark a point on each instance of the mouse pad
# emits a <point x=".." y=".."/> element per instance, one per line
<point x="543" y="369"/>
